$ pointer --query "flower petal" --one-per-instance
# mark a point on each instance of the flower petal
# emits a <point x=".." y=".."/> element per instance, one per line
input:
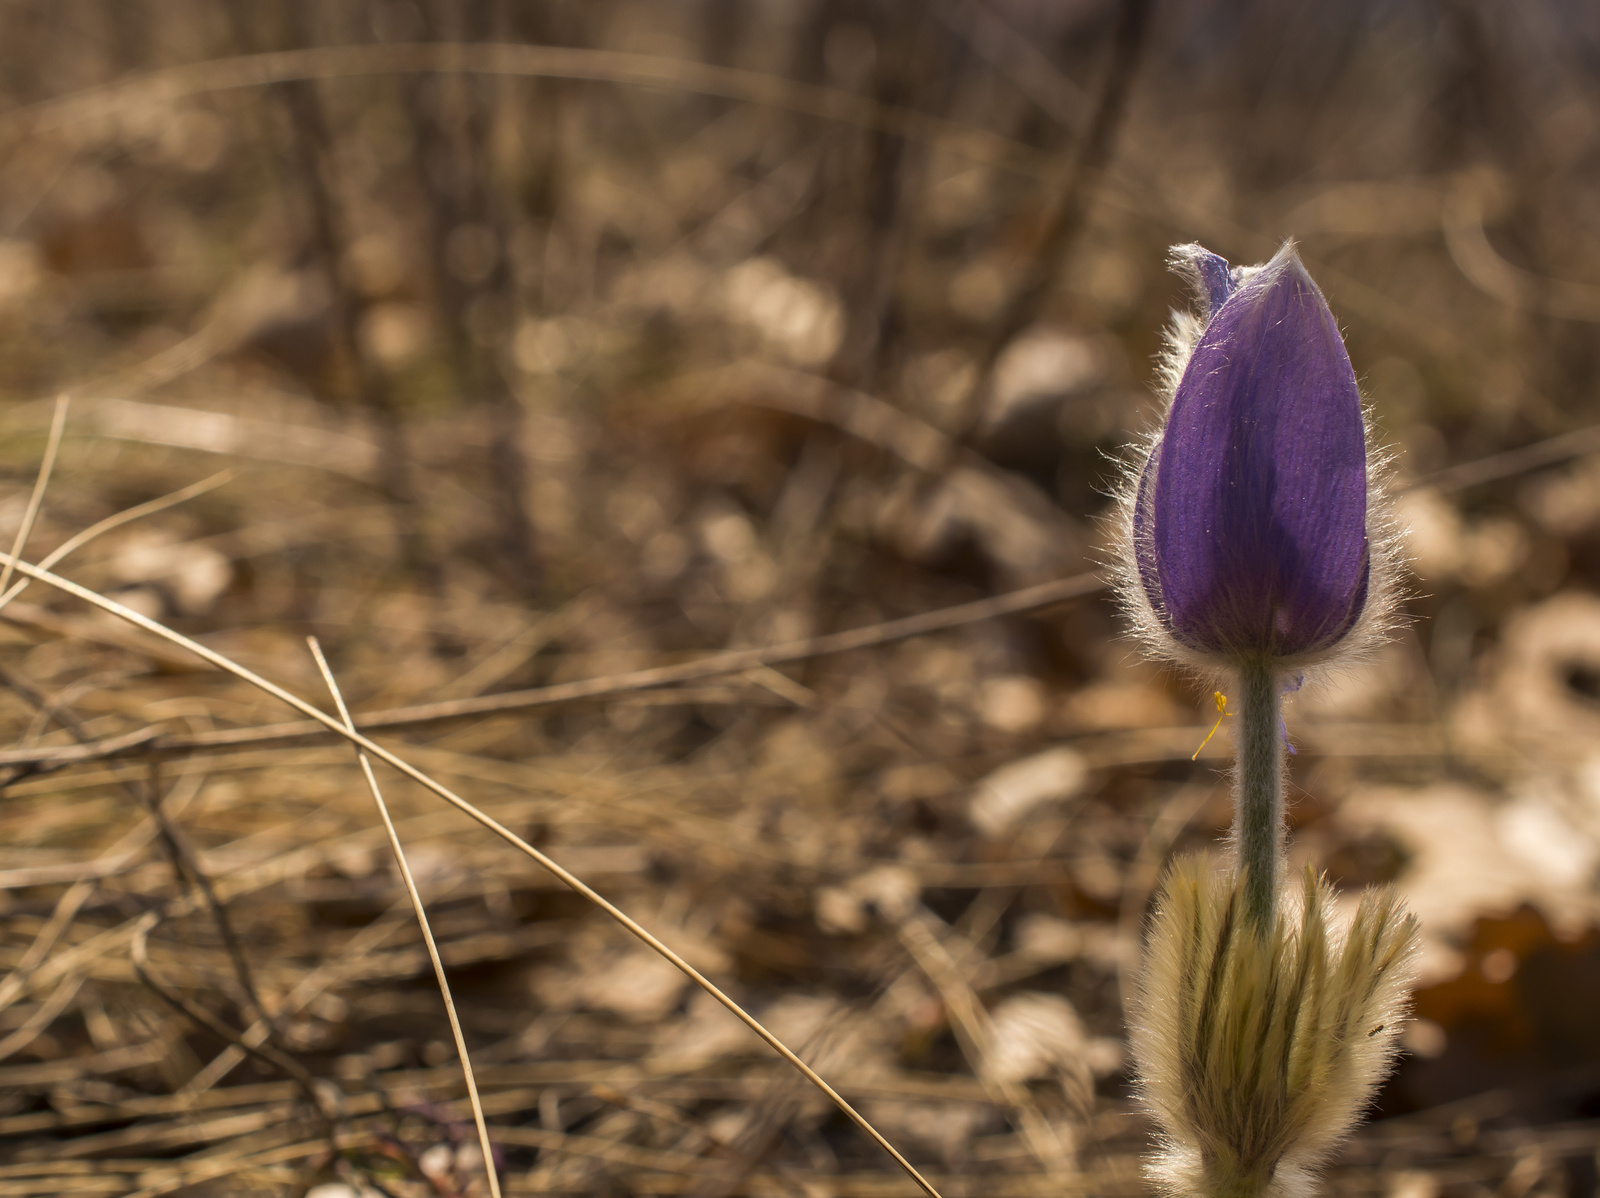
<point x="1258" y="516"/>
<point x="1215" y="278"/>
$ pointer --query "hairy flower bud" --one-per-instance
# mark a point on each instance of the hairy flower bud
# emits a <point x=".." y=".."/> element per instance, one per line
<point x="1250" y="533"/>
<point x="1253" y="545"/>
<point x="1258" y="1052"/>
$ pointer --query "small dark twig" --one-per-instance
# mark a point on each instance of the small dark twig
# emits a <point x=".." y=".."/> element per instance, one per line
<point x="1069" y="208"/>
<point x="459" y="132"/>
<point x="140" y="953"/>
<point x="315" y="162"/>
<point x="1549" y="452"/>
<point x="179" y="851"/>
<point x="187" y="866"/>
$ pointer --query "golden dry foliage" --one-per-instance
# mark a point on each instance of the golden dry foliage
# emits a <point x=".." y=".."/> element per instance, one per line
<point x="686" y="427"/>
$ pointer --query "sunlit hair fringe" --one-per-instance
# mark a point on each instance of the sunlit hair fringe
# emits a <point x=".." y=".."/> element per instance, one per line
<point x="1259" y="1051"/>
<point x="1385" y="545"/>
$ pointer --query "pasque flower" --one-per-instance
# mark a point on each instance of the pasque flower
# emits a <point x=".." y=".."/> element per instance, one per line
<point x="1254" y="546"/>
<point x="1251" y="533"/>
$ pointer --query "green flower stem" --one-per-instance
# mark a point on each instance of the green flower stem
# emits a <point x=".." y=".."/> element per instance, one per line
<point x="1258" y="793"/>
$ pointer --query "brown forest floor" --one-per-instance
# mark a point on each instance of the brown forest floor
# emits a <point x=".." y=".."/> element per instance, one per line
<point x="532" y="370"/>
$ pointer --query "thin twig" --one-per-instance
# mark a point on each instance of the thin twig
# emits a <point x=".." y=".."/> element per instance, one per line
<point x="569" y="879"/>
<point x="422" y="922"/>
<point x="318" y="169"/>
<point x="1461" y="218"/>
<point x="1549" y="452"/>
<point x="58" y="423"/>
<point x="1016" y="57"/>
<point x="733" y="661"/>
<point x="140" y="954"/>
<point x="1458" y="477"/>
<point x="185" y="863"/>
<point x="1069" y="205"/>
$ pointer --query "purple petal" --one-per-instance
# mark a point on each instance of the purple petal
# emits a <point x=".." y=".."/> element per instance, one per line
<point x="1216" y="279"/>
<point x="1258" y="515"/>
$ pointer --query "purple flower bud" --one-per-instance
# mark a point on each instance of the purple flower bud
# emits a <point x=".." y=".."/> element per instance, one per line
<point x="1250" y="533"/>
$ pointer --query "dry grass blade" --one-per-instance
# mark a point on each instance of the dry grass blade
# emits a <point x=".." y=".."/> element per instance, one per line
<point x="67" y="908"/>
<point x="1525" y="458"/>
<point x="569" y="879"/>
<point x="110" y="523"/>
<point x="404" y="867"/>
<point x="1483" y="266"/>
<point x="58" y="423"/>
<point x="43" y="1017"/>
<point x="975" y="1032"/>
<point x="737" y="661"/>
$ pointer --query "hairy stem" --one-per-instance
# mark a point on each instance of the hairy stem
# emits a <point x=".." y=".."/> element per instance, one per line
<point x="1258" y="793"/>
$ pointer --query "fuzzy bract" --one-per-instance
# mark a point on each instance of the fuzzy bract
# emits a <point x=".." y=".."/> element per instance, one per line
<point x="1258" y="1052"/>
<point x="1250" y="524"/>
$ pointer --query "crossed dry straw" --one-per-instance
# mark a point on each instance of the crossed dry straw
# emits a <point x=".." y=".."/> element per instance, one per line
<point x="368" y="749"/>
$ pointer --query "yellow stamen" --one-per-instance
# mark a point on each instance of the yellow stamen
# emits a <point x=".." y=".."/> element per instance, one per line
<point x="1222" y="714"/>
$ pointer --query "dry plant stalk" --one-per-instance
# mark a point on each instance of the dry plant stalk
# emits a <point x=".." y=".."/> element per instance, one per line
<point x="58" y="424"/>
<point x="160" y="504"/>
<point x="415" y="896"/>
<point x="164" y="87"/>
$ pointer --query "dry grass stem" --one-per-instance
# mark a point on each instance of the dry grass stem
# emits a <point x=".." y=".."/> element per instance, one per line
<point x="58" y="424"/>
<point x="139" y="952"/>
<point x="489" y="1168"/>
<point x="111" y="523"/>
<point x="734" y="661"/>
<point x="976" y="1032"/>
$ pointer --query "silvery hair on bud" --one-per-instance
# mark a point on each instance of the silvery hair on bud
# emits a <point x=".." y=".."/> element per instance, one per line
<point x="1381" y="615"/>
<point x="1258" y="1052"/>
<point x="1180" y="337"/>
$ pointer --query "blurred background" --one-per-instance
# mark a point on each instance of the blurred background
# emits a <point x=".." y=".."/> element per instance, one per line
<point x="506" y="345"/>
